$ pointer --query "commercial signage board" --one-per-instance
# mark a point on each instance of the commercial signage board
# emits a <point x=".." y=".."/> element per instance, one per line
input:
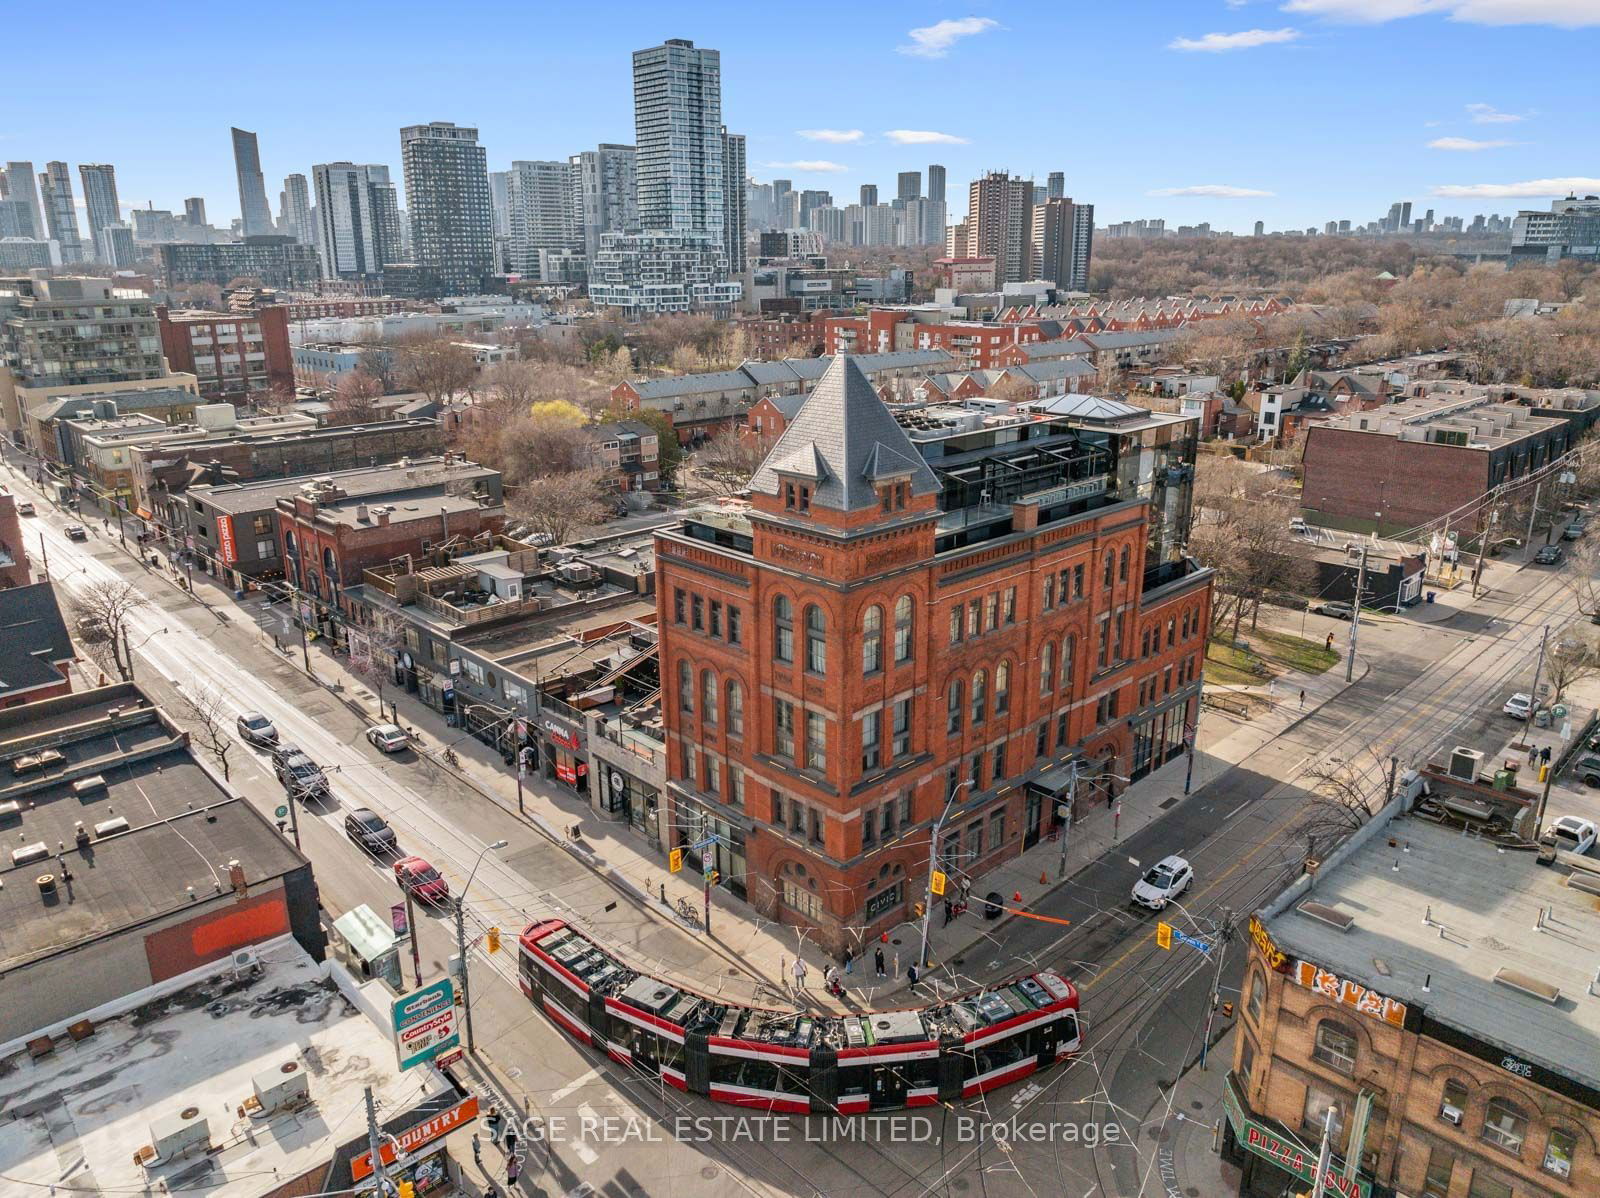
<point x="1281" y="1151"/>
<point x="426" y="1132"/>
<point x="425" y="1023"/>
<point x="227" y="547"/>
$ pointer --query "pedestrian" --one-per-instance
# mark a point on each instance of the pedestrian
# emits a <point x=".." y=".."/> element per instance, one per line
<point x="799" y="974"/>
<point x="477" y="1151"/>
<point x="877" y="960"/>
<point x="896" y="962"/>
<point x="911" y="974"/>
<point x="830" y="978"/>
<point x="1302" y="698"/>
<point x="493" y="1121"/>
<point x="1328" y="644"/>
<point x="511" y="1142"/>
<point x="849" y="961"/>
<point x="966" y="891"/>
<point x="947" y="913"/>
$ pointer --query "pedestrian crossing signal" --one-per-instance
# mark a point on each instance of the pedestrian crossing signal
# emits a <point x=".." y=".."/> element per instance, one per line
<point x="1164" y="935"/>
<point x="936" y="883"/>
<point x="494" y="940"/>
<point x="408" y="1189"/>
<point x="918" y="909"/>
<point x="711" y="877"/>
<point x="675" y="860"/>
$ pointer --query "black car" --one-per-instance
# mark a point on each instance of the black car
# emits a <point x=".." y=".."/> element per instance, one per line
<point x="302" y="776"/>
<point x="1550" y="555"/>
<point x="368" y="829"/>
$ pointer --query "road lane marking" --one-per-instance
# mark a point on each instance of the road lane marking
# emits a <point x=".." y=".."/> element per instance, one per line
<point x="573" y="1087"/>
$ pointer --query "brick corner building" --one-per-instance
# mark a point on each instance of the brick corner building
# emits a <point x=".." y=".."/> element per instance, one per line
<point x="922" y="608"/>
<point x="233" y="355"/>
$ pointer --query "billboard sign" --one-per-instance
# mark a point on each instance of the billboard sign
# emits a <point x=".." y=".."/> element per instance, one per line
<point x="425" y="1023"/>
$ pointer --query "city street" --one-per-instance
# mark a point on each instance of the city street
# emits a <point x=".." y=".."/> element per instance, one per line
<point x="1427" y="687"/>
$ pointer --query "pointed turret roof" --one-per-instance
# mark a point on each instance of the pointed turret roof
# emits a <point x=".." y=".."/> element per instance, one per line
<point x="845" y="439"/>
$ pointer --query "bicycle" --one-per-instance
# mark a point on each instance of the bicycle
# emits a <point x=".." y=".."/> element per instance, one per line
<point x="689" y="912"/>
<point x="449" y="756"/>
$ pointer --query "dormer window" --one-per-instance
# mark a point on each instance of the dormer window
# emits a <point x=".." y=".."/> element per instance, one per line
<point x="805" y="499"/>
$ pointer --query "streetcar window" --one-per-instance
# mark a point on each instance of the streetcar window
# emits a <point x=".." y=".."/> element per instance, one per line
<point x="529" y="966"/>
<point x="998" y="1055"/>
<point x="1067" y="1026"/>
<point x="556" y="988"/>
<point x="854" y="1080"/>
<point x="669" y="1053"/>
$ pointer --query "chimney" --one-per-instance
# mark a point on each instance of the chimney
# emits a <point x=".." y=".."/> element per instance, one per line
<point x="236" y="878"/>
<point x="361" y="513"/>
<point x="382" y="513"/>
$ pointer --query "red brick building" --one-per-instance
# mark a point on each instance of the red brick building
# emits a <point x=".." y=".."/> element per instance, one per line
<point x="886" y="631"/>
<point x="231" y="354"/>
<point x="782" y="336"/>
<point x="974" y="344"/>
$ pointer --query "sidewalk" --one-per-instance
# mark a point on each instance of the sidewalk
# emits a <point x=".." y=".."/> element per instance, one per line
<point x="1186" y="1124"/>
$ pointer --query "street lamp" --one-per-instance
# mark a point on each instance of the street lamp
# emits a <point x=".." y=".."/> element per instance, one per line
<point x="461" y="938"/>
<point x="933" y="849"/>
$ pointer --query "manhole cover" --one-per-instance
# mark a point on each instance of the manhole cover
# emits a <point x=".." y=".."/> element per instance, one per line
<point x="1192" y="1192"/>
<point x="896" y="940"/>
<point x="1198" y="1105"/>
<point x="1158" y="1134"/>
<point x="709" y="1172"/>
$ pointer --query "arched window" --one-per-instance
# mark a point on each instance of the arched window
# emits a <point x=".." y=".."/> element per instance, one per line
<point x="1111" y="565"/>
<point x="1505" y="1125"/>
<point x="980" y="696"/>
<point x="685" y="688"/>
<point x="1069" y="650"/>
<point x="1559" y="1150"/>
<point x="1257" y="997"/>
<point x="1335" y="1046"/>
<point x="1454" y="1102"/>
<point x="783" y="629"/>
<point x="1002" y="688"/>
<point x="903" y="628"/>
<point x="1047" y="668"/>
<point x="872" y="639"/>
<point x="735" y="709"/>
<point x="816" y="640"/>
<point x="708" y="696"/>
<point x="954" y="706"/>
<point x="1122" y="565"/>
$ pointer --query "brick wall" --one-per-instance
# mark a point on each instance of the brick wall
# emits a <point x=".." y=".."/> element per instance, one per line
<point x="1352" y="475"/>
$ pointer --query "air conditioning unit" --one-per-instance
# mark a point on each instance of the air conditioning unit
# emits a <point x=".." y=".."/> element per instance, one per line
<point x="1453" y="1114"/>
<point x="246" y="959"/>
<point x="173" y="1136"/>
<point x="1465" y="763"/>
<point x="284" y="1088"/>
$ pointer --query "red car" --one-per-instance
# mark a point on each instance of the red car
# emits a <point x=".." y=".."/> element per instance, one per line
<point x="419" y="878"/>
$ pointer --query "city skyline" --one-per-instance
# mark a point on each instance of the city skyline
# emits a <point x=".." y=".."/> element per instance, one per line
<point x="1491" y="134"/>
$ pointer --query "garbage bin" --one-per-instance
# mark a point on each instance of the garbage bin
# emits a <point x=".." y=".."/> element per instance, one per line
<point x="1541" y="718"/>
<point x="992" y="905"/>
<point x="1431" y="594"/>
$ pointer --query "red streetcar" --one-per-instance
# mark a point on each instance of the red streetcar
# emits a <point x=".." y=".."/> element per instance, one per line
<point x="793" y="1061"/>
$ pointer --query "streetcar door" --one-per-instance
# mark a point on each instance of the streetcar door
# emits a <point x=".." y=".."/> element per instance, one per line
<point x="888" y="1086"/>
<point x="644" y="1052"/>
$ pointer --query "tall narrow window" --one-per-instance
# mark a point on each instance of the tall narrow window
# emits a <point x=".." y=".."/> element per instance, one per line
<point x="955" y="624"/>
<point x="1002" y="688"/>
<point x="685" y="688"/>
<point x="1049" y="591"/>
<point x="1047" y="668"/>
<point x="816" y="640"/>
<point x="708" y="696"/>
<point x="952" y="721"/>
<point x="816" y="741"/>
<point x="1111" y="565"/>
<point x="735" y="709"/>
<point x="904" y="626"/>
<point x="872" y="640"/>
<point x="783" y="629"/>
<point x="783" y="729"/>
<point x="1069" y="647"/>
<point x="1122" y="566"/>
<point x="871" y="743"/>
<point x="901" y="744"/>
<point x="980" y="696"/>
<point x="734" y="635"/>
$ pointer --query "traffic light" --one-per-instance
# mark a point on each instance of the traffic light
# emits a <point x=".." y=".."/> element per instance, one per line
<point x="675" y="860"/>
<point x="917" y="909"/>
<point x="1164" y="935"/>
<point x="936" y="882"/>
<point x="408" y="1189"/>
<point x="711" y="877"/>
<point x="494" y="940"/>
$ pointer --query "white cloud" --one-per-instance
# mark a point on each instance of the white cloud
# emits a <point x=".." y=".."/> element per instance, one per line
<point x="923" y="137"/>
<point x="1466" y="144"/>
<point x="1488" y="114"/>
<point x="1569" y="14"/>
<point x="809" y="165"/>
<point x="1531" y="189"/>
<point x="934" y="41"/>
<point x="1248" y="39"/>
<point x="835" y="136"/>
<point x="1219" y="191"/>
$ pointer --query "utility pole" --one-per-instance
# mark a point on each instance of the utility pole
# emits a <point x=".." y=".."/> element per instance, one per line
<point x="1538" y="670"/>
<point x="466" y="987"/>
<point x="1533" y="515"/>
<point x="45" y="551"/>
<point x="380" y="1171"/>
<point x="1394" y="763"/>
<point x="411" y="926"/>
<point x="1224" y="932"/>
<point x="933" y="864"/>
<point x="1066" y="828"/>
<point x="1318" y="1190"/>
<point x="1483" y="543"/>
<point x="1192" y="735"/>
<point x="1355" y="616"/>
<point x="294" y="816"/>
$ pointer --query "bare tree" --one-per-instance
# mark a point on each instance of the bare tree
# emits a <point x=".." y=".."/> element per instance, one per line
<point x="1344" y="796"/>
<point x="204" y="710"/>
<point x="1572" y="656"/>
<point x="558" y="505"/>
<point x="435" y="366"/>
<point x="729" y="460"/>
<point x="100" y="613"/>
<point x="549" y="440"/>
<point x="355" y="398"/>
<point x="1583" y="579"/>
<point x="379" y="644"/>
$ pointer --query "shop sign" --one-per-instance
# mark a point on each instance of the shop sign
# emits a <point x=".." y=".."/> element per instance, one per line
<point x="418" y="1134"/>
<point x="1290" y="1157"/>
<point x="1274" y="956"/>
<point x="227" y="547"/>
<point x="561" y="735"/>
<point x="1352" y="994"/>
<point x="425" y="1023"/>
<point x="883" y="902"/>
<point x="566" y="773"/>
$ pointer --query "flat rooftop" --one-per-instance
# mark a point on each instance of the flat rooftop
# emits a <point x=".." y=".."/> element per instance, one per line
<point x="360" y="482"/>
<point x="158" y="825"/>
<point x="76" y="1117"/>
<point x="555" y="644"/>
<point x="1482" y="905"/>
<point x="1486" y="424"/>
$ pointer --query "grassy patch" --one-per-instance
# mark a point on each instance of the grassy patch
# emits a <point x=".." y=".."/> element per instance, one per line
<point x="1269" y="654"/>
<point x="1293" y="652"/>
<point x="1228" y="666"/>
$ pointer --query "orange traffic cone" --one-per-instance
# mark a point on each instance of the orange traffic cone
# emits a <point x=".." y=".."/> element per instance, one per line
<point x="1016" y="896"/>
<point x="1043" y="878"/>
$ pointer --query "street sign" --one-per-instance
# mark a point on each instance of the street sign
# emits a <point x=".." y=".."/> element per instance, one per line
<point x="281" y="813"/>
<point x="1192" y="941"/>
<point x="936" y="883"/>
<point x="1164" y="935"/>
<point x="425" y="1023"/>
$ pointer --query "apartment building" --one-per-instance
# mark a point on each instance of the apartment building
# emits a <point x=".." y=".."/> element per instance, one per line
<point x="234" y="356"/>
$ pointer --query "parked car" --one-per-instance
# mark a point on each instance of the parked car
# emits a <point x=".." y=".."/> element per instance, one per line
<point x="1339" y="611"/>
<point x="75" y="532"/>
<point x="1572" y="532"/>
<point x="25" y="508"/>
<point x="1297" y="525"/>
<point x="1588" y="769"/>
<point x="1519" y="706"/>
<point x="282" y="750"/>
<point x="369" y="830"/>
<point x="1571" y="834"/>
<point x="388" y="738"/>
<point x="256" y="729"/>
<point x="421" y="880"/>
<point x="1550" y="555"/>
<point x="1163" y="882"/>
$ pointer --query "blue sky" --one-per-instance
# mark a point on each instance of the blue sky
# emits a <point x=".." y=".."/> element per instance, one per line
<point x="1330" y="108"/>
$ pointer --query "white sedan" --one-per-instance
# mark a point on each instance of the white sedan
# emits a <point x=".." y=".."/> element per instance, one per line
<point x="1518" y="706"/>
<point x="388" y="738"/>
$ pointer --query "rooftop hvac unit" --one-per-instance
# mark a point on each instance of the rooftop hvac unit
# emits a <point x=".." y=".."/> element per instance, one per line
<point x="284" y="1088"/>
<point x="110" y="827"/>
<point x="174" y="1136"/>
<point x="1465" y="763"/>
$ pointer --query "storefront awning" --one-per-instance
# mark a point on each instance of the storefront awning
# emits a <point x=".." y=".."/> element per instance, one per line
<point x="1055" y="781"/>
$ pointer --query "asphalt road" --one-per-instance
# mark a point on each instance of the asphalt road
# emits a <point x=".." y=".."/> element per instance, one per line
<point x="1425" y="688"/>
